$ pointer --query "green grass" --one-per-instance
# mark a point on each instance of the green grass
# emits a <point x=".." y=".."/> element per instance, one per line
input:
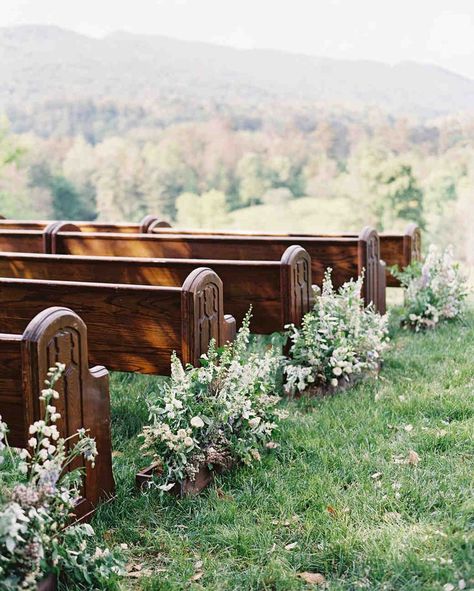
<point x="407" y="529"/>
<point x="305" y="214"/>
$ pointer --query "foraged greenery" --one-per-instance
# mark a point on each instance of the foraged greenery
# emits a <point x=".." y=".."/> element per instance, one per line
<point x="436" y="290"/>
<point x="215" y="415"/>
<point x="37" y="499"/>
<point x="339" y="340"/>
<point x="342" y="496"/>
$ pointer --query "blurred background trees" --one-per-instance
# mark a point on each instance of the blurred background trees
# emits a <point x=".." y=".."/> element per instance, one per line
<point x="289" y="169"/>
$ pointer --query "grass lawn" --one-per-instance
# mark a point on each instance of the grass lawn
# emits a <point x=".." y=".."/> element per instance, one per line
<point x="337" y="497"/>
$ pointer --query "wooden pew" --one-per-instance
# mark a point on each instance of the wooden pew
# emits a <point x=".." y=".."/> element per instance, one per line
<point x="401" y="250"/>
<point x="131" y="327"/>
<point x="58" y="335"/>
<point x="347" y="256"/>
<point x="280" y="291"/>
<point x="40" y="225"/>
<point x="395" y="248"/>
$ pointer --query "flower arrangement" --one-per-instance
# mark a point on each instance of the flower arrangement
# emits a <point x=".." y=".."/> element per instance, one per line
<point x="37" y="499"/>
<point x="435" y="290"/>
<point x="215" y="415"/>
<point x="339" y="340"/>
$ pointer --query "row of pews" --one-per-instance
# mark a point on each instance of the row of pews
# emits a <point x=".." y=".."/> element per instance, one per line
<point x="145" y="290"/>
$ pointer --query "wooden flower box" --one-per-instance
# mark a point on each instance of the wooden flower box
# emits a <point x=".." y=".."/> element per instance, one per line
<point x="328" y="390"/>
<point x="48" y="584"/>
<point x="187" y="487"/>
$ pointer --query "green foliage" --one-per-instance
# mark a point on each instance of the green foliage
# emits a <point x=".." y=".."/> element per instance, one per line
<point x="401" y="197"/>
<point x="339" y="486"/>
<point x="68" y="203"/>
<point x="206" y="211"/>
<point x="339" y="341"/>
<point x="39" y="496"/>
<point x="436" y="290"/>
<point x="215" y="415"/>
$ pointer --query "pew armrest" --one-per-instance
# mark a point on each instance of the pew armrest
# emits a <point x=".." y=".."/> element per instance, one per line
<point x="230" y="328"/>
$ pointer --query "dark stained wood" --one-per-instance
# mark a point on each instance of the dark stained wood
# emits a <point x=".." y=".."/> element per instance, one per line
<point x="343" y="255"/>
<point x="40" y="225"/>
<point x="401" y="250"/>
<point x="280" y="291"/>
<point x="395" y="249"/>
<point x="347" y="255"/>
<point x="48" y="584"/>
<point x="131" y="327"/>
<point x="368" y="254"/>
<point x="58" y="335"/>
<point x="21" y="241"/>
<point x="382" y="307"/>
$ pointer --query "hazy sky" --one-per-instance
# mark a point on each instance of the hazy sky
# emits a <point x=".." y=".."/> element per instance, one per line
<point x="438" y="31"/>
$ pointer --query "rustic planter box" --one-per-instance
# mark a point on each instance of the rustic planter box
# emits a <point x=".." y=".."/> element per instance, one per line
<point x="48" y="584"/>
<point x="187" y="487"/>
<point x="328" y="390"/>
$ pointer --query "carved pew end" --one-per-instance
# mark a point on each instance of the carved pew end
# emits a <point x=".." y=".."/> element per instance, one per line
<point x="156" y="223"/>
<point x="59" y="335"/>
<point x="296" y="285"/>
<point x="202" y="313"/>
<point x="50" y="233"/>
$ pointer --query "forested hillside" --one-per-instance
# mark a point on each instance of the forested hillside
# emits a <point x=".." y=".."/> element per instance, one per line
<point x="210" y="136"/>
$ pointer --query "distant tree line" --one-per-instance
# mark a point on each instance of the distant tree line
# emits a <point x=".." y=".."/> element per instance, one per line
<point x="113" y="161"/>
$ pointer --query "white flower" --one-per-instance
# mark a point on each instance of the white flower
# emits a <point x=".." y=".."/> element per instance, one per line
<point x="255" y="422"/>
<point x="197" y="422"/>
<point x="32" y="442"/>
<point x="337" y="371"/>
<point x="188" y="442"/>
<point x="334" y="383"/>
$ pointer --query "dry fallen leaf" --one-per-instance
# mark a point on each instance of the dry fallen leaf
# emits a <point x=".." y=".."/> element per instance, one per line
<point x="413" y="458"/>
<point x="197" y="576"/>
<point x="222" y="495"/>
<point x="312" y="578"/>
<point x="331" y="510"/>
<point x="136" y="571"/>
<point x="291" y="546"/>
<point x="392" y="515"/>
<point x="376" y="475"/>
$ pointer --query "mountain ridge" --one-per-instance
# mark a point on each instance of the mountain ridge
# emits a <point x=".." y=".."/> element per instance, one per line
<point x="44" y="62"/>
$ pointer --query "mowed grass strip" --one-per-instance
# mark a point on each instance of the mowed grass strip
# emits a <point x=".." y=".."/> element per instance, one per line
<point x="344" y="495"/>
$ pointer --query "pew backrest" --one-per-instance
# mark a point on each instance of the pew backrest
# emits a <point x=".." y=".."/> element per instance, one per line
<point x="347" y="256"/>
<point x="280" y="291"/>
<point x="58" y="335"/>
<point x="89" y="226"/>
<point x="132" y="328"/>
<point x="395" y="248"/>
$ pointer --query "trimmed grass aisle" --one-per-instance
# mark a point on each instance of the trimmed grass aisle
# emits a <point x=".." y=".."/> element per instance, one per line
<point x="337" y="497"/>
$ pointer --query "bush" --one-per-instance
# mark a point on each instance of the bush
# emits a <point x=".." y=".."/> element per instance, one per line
<point x="435" y="290"/>
<point x="218" y="414"/>
<point x="339" y="340"/>
<point x="37" y="500"/>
